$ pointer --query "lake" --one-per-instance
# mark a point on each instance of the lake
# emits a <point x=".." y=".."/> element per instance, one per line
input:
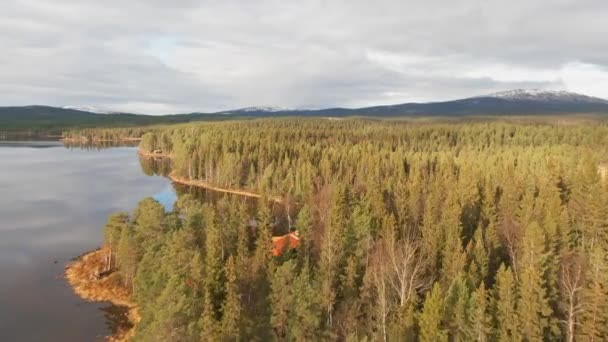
<point x="54" y="202"/>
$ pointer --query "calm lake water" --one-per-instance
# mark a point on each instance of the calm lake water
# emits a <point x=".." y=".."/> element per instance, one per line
<point x="54" y="202"/>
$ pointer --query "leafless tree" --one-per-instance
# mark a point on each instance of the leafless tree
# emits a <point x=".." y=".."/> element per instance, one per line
<point x="407" y="268"/>
<point x="379" y="275"/>
<point x="511" y="234"/>
<point x="398" y="270"/>
<point x="572" y="280"/>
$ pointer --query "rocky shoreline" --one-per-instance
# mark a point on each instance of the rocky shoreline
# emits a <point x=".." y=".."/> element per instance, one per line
<point x="82" y="273"/>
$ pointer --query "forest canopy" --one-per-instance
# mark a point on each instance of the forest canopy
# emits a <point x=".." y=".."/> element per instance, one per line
<point x="487" y="231"/>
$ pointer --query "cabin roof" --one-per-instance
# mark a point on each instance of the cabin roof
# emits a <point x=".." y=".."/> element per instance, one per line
<point x="282" y="243"/>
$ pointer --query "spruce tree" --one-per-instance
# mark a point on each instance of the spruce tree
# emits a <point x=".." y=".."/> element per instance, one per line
<point x="231" y="308"/>
<point x="533" y="304"/>
<point x="281" y="298"/>
<point x="481" y="328"/>
<point x="508" y="323"/>
<point x="305" y="312"/>
<point x="431" y="328"/>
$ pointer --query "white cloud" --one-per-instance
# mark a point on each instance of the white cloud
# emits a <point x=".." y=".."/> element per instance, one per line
<point x="586" y="78"/>
<point x="155" y="56"/>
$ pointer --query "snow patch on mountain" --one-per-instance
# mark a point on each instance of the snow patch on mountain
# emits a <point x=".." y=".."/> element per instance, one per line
<point x="92" y="109"/>
<point x="544" y="96"/>
<point x="264" y="109"/>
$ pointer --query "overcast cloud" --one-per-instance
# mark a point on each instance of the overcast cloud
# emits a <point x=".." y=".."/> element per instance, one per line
<point x="159" y="56"/>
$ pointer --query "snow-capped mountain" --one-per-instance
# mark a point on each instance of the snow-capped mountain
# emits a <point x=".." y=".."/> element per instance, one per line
<point x="518" y="102"/>
<point x="263" y="109"/>
<point x="512" y="102"/>
<point x="544" y="96"/>
<point x="92" y="109"/>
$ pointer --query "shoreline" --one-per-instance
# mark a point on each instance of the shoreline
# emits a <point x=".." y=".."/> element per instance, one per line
<point x="152" y="155"/>
<point x="79" y="275"/>
<point x="80" y="140"/>
<point x="201" y="184"/>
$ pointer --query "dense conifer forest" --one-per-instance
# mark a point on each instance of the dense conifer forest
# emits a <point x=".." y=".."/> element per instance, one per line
<point x="487" y="231"/>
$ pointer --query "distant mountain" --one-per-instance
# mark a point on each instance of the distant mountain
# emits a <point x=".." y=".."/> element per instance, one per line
<point x="513" y="102"/>
<point x="53" y="120"/>
<point x="93" y="109"/>
<point x="264" y="109"/>
<point x="545" y="96"/>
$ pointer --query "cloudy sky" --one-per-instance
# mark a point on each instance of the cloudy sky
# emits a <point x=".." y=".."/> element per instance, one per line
<point x="159" y="56"/>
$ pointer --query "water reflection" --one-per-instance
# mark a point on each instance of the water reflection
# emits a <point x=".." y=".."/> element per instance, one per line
<point x="161" y="166"/>
<point x="54" y="202"/>
<point x="98" y="145"/>
<point x="167" y="198"/>
<point x="158" y="166"/>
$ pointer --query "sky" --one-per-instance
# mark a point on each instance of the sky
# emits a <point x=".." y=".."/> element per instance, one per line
<point x="159" y="57"/>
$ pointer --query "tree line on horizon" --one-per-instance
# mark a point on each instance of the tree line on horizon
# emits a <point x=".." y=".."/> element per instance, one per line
<point x="432" y="232"/>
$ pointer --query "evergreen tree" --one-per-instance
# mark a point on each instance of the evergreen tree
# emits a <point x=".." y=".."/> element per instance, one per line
<point x="231" y="308"/>
<point x="457" y="313"/>
<point x="304" y="225"/>
<point x="431" y="328"/>
<point x="305" y="312"/>
<point x="508" y="323"/>
<point x="481" y="328"/>
<point x="281" y="298"/>
<point x="533" y="305"/>
<point x="264" y="234"/>
<point x="594" y="301"/>
<point x="117" y="222"/>
<point x="331" y="253"/>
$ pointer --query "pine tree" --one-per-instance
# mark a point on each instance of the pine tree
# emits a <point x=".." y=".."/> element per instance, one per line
<point x="453" y="257"/>
<point x="332" y="252"/>
<point x="457" y="310"/>
<point x="594" y="302"/>
<point x="117" y="222"/>
<point x="304" y="225"/>
<point x="214" y="266"/>
<point x="533" y="305"/>
<point x="481" y="328"/>
<point x="305" y="311"/>
<point x="243" y="239"/>
<point x="506" y="306"/>
<point x="478" y="269"/>
<point x="281" y="298"/>
<point x="431" y="329"/>
<point x="173" y="311"/>
<point x="231" y="308"/>
<point x="210" y="327"/>
<point x="263" y="242"/>
<point x="127" y="257"/>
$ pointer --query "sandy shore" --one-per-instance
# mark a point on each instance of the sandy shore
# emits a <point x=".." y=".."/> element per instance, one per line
<point x="108" y="289"/>
<point x="81" y="140"/>
<point x="152" y="155"/>
<point x="201" y="184"/>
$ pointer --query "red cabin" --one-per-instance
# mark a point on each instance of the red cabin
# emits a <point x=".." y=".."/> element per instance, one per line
<point x="285" y="242"/>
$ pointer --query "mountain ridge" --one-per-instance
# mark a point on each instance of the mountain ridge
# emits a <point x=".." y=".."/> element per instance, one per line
<point x="514" y="102"/>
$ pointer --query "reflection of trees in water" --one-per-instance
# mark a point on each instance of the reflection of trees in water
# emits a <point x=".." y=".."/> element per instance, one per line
<point x="116" y="317"/>
<point x="161" y="166"/>
<point x="279" y="210"/>
<point x="98" y="145"/>
<point x="155" y="166"/>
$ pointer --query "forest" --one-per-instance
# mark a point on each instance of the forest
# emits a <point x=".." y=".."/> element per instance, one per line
<point x="485" y="231"/>
<point x="47" y="120"/>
